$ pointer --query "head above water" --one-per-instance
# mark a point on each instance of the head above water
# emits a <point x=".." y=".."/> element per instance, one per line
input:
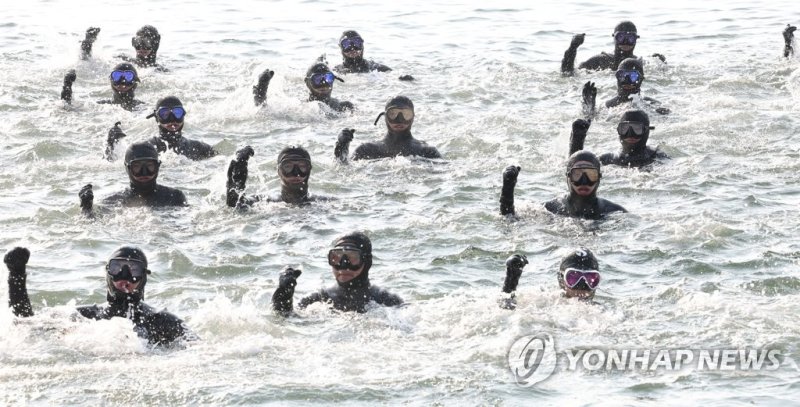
<point x="169" y="114"/>
<point x="581" y="271"/>
<point x="126" y="274"/>
<point x="294" y="167"/>
<point x="358" y="246"/>
<point x="625" y="37"/>
<point x="124" y="79"/>
<point x="319" y="79"/>
<point x="146" y="43"/>
<point x="351" y="44"/>
<point x="398" y="115"/>
<point x="583" y="175"/>
<point x="634" y="130"/>
<point x="142" y="165"/>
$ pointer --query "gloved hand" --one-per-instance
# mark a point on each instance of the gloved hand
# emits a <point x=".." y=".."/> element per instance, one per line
<point x="788" y="35"/>
<point x="589" y="95"/>
<point x="406" y="78"/>
<point x="115" y="133"/>
<point x="237" y="170"/>
<point x="577" y="40"/>
<point x="66" y="90"/>
<point x="265" y="77"/>
<point x="288" y="278"/>
<point x="661" y="57"/>
<point x="345" y="136"/>
<point x="91" y="34"/>
<point x="260" y="90"/>
<point x="87" y="197"/>
<point x="514" y="266"/>
<point x="16" y="259"/>
<point x="510" y="174"/>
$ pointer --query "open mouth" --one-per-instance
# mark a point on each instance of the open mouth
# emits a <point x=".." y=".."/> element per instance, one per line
<point x="173" y="127"/>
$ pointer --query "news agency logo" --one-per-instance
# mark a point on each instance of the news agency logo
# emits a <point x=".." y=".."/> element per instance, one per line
<point x="533" y="358"/>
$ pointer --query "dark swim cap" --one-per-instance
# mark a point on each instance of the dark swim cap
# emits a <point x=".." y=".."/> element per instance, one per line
<point x="399" y="101"/>
<point x="147" y="38"/>
<point x="348" y="34"/>
<point x="130" y="253"/>
<point x="318" y="67"/>
<point x="581" y="259"/>
<point x="625" y="26"/>
<point x="294" y="151"/>
<point x="141" y="150"/>
<point x="169" y="101"/>
<point x="582" y="155"/>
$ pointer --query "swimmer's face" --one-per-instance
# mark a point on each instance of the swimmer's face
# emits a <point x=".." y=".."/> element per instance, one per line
<point x="353" y="53"/>
<point x="399" y="127"/>
<point x="582" y="190"/>
<point x="122" y="87"/>
<point x="143" y="53"/>
<point x="630" y="87"/>
<point x="345" y="275"/>
<point x="173" y="127"/>
<point x="626" y="48"/>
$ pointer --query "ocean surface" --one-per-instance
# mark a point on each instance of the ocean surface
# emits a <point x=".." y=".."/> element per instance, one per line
<point x="706" y="258"/>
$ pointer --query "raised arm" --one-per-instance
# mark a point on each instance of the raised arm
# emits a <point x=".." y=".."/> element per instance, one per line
<point x="66" y="89"/>
<point x="342" y="149"/>
<point x="17" y="260"/>
<point x="589" y="100"/>
<point x="507" y="194"/>
<point x="283" y="298"/>
<point x="87" y="200"/>
<point x="568" y="63"/>
<point x="237" y="179"/>
<point x="514" y="266"/>
<point x="260" y="90"/>
<point x="579" y="129"/>
<point x="88" y="41"/>
<point x="114" y="134"/>
<point x="788" y="36"/>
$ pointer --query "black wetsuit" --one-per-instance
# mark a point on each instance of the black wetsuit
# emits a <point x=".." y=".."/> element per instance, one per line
<point x="598" y="62"/>
<point x="125" y="100"/>
<point x="514" y="266"/>
<point x="360" y="65"/>
<point x="633" y="156"/>
<point x="333" y="103"/>
<point x="193" y="149"/>
<point x="158" y="327"/>
<point x="392" y="145"/>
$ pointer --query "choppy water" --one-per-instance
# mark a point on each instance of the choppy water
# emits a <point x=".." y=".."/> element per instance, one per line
<point x="707" y="257"/>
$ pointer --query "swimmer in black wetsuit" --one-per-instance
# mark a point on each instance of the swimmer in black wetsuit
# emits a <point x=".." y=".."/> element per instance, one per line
<point x="630" y="76"/>
<point x="788" y="36"/>
<point x="294" y="170"/>
<point x="578" y="276"/>
<point x="169" y="114"/>
<point x="352" y="46"/>
<point x="583" y="179"/>
<point x="319" y="80"/>
<point x="126" y="276"/>
<point x="634" y="130"/>
<point x="142" y="165"/>
<point x="625" y="36"/>
<point x="399" y="116"/>
<point x="350" y="259"/>
<point x="124" y="81"/>
<point x="145" y="42"/>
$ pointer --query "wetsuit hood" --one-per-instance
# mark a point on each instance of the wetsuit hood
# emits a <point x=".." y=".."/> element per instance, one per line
<point x="623" y="26"/>
<point x="575" y="199"/>
<point x="361" y="241"/>
<point x="630" y="64"/>
<point x="638" y="116"/>
<point x="147" y="37"/>
<point x="114" y="295"/>
<point x="170" y="102"/>
<point x="129" y="95"/>
<point x="318" y="67"/>
<point x="139" y="151"/>
<point x="356" y="62"/>
<point x="401" y="102"/>
<point x="294" y="192"/>
<point x="581" y="259"/>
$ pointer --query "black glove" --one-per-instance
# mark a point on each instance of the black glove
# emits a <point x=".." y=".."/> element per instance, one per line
<point x="87" y="197"/>
<point x="510" y="174"/>
<point x="788" y="35"/>
<point x="237" y="170"/>
<point x="260" y="90"/>
<point x="589" y="96"/>
<point x="288" y="278"/>
<point x="577" y="40"/>
<point x="406" y="78"/>
<point x="514" y="266"/>
<point x="115" y="133"/>
<point x="16" y="259"/>
<point x="661" y="57"/>
<point x="88" y="41"/>
<point x="576" y="139"/>
<point x="345" y="136"/>
<point x="66" y="90"/>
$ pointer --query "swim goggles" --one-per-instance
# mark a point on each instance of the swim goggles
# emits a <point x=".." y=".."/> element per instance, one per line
<point x="346" y="257"/>
<point x="121" y="268"/>
<point x="348" y="44"/>
<point x="638" y="128"/>
<point x="292" y="166"/>
<point x="322" y="79"/>
<point x="625" y="37"/>
<point x="572" y="277"/>
<point x="592" y="174"/>
<point x="143" y="167"/>
<point x="163" y="113"/>
<point x="400" y="114"/>
<point x="122" y="76"/>
<point x="631" y="76"/>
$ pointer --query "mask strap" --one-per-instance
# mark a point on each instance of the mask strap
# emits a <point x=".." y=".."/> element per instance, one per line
<point x="378" y="118"/>
<point x="338" y="79"/>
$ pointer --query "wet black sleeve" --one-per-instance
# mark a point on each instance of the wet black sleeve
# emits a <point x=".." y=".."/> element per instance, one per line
<point x="374" y="66"/>
<point x="16" y="261"/>
<point x="607" y="207"/>
<point x="555" y="206"/>
<point x="316" y="297"/>
<point x="608" y="159"/>
<point x="429" y="152"/>
<point x="88" y="41"/>
<point x="92" y="312"/>
<point x="384" y="297"/>
<point x="615" y="101"/>
<point x="163" y="328"/>
<point x="196" y="150"/>
<point x="598" y="62"/>
<point x="368" y="151"/>
<point x="510" y="175"/>
<point x="283" y="297"/>
<point x="656" y="105"/>
<point x="577" y="137"/>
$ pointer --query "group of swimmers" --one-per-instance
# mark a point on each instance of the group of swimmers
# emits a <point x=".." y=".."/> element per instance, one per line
<point x="350" y="257"/>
